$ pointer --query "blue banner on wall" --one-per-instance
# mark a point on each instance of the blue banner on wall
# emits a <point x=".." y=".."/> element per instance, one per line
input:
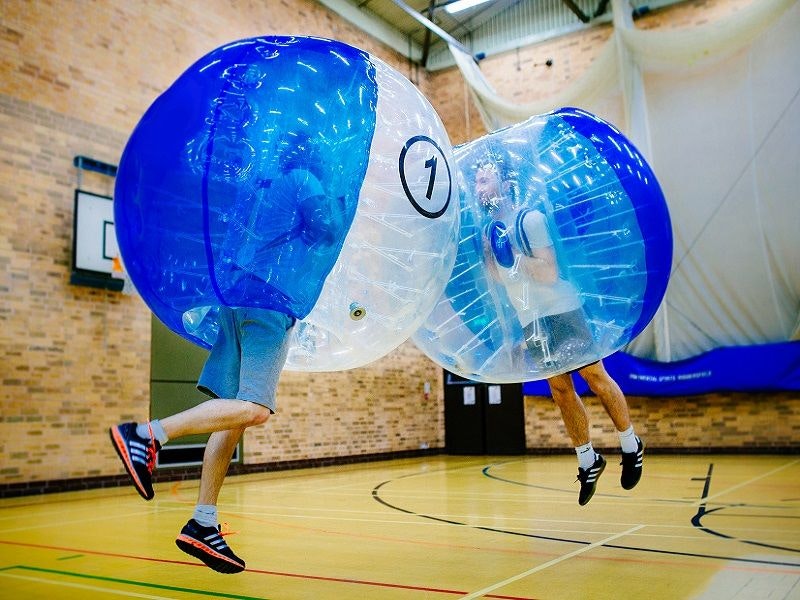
<point x="768" y="367"/>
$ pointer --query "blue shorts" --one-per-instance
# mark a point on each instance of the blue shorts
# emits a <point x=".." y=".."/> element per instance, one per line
<point x="248" y="355"/>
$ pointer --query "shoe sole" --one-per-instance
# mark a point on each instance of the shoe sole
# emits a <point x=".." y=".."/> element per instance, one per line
<point x="122" y="451"/>
<point x="211" y="558"/>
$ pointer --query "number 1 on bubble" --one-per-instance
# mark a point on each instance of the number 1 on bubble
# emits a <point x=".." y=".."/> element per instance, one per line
<point x="431" y="164"/>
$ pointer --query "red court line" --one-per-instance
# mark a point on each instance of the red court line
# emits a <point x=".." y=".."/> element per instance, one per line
<point x="264" y="572"/>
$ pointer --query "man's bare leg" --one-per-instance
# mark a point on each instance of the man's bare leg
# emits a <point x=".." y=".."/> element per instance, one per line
<point x="573" y="412"/>
<point x="615" y="404"/>
<point x="216" y="460"/>
<point x="576" y="422"/>
<point x="609" y="393"/>
<point x="201" y="537"/>
<point x="215" y="415"/>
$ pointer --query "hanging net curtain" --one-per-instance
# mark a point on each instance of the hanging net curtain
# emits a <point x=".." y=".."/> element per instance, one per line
<point x="716" y="110"/>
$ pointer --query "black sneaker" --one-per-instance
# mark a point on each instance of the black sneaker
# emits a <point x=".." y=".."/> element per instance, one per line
<point x="632" y="466"/>
<point x="588" y="478"/>
<point x="138" y="456"/>
<point x="207" y="544"/>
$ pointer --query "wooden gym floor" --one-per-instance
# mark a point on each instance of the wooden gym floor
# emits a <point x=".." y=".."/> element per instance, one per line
<point x="703" y="527"/>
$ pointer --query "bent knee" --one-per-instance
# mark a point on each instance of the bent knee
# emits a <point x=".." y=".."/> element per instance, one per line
<point x="257" y="414"/>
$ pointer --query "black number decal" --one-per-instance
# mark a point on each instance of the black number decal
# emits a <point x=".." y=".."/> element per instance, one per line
<point x="431" y="164"/>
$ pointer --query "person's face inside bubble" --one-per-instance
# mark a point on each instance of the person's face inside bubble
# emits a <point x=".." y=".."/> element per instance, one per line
<point x="488" y="186"/>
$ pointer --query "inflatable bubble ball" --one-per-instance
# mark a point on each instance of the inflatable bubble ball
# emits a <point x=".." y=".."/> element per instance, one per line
<point x="564" y="253"/>
<point x="297" y="174"/>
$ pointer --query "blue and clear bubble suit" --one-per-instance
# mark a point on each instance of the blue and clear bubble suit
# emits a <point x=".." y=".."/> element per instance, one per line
<point x="297" y="174"/>
<point x="575" y="186"/>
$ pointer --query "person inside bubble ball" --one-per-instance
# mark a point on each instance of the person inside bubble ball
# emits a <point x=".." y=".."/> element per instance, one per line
<point x="521" y="256"/>
<point x="300" y="218"/>
<point x="241" y="373"/>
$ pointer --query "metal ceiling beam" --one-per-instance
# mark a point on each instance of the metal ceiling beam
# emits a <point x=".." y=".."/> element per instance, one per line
<point x="577" y="10"/>
<point x="430" y="25"/>
<point x="378" y="28"/>
<point x="426" y="46"/>
<point x="601" y="8"/>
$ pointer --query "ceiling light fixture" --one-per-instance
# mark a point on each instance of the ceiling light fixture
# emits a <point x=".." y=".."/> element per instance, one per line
<point x="460" y="5"/>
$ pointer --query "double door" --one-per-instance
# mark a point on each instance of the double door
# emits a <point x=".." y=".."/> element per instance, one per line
<point x="483" y="418"/>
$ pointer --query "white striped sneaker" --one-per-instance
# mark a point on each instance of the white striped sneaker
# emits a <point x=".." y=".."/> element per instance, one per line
<point x="632" y="466"/>
<point x="588" y="478"/>
<point x="207" y="544"/>
<point x="138" y="456"/>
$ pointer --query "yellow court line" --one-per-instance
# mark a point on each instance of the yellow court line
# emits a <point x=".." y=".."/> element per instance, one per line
<point x="744" y="483"/>
<point x="85" y="587"/>
<point x="548" y="564"/>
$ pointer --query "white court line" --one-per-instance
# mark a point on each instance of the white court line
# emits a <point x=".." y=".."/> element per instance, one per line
<point x="88" y="519"/>
<point x="442" y="521"/>
<point x="81" y="586"/>
<point x="744" y="483"/>
<point x="548" y="564"/>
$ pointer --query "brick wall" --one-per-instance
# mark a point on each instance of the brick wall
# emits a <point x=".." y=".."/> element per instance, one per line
<point x="75" y="76"/>
<point x="757" y="422"/>
<point x="74" y="360"/>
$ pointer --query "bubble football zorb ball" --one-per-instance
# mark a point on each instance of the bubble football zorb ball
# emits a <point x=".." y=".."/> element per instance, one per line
<point x="564" y="253"/>
<point x="296" y="174"/>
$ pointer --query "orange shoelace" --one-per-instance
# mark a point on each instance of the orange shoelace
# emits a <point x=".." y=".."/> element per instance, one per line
<point x="151" y="450"/>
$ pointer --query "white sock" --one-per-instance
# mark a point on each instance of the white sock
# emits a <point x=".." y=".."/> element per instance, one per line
<point x="143" y="430"/>
<point x="206" y="515"/>
<point x="586" y="455"/>
<point x="628" y="440"/>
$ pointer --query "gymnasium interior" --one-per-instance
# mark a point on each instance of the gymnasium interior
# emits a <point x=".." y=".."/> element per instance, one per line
<point x="398" y="478"/>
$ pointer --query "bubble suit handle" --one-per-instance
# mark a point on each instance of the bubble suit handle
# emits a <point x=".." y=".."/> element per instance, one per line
<point x="588" y="255"/>
<point x="274" y="173"/>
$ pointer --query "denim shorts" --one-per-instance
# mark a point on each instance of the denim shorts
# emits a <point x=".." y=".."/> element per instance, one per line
<point x="248" y="355"/>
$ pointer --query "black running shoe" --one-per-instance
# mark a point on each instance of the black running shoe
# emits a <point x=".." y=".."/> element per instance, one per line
<point x="207" y="544"/>
<point x="138" y="456"/>
<point x="632" y="466"/>
<point x="588" y="478"/>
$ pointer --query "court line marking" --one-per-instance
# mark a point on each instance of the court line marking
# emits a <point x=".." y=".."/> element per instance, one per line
<point x="279" y="510"/>
<point x="549" y="564"/>
<point x="217" y="594"/>
<point x="82" y="586"/>
<point x="484" y="549"/>
<point x="88" y="519"/>
<point x="522" y="497"/>
<point x="441" y="520"/>
<point x="378" y="498"/>
<point x="705" y="499"/>
<point x="117" y="580"/>
<point x="434" y="464"/>
<point x="335" y="515"/>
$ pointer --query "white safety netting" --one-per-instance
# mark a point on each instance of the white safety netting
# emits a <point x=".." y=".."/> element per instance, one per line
<point x="716" y="109"/>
